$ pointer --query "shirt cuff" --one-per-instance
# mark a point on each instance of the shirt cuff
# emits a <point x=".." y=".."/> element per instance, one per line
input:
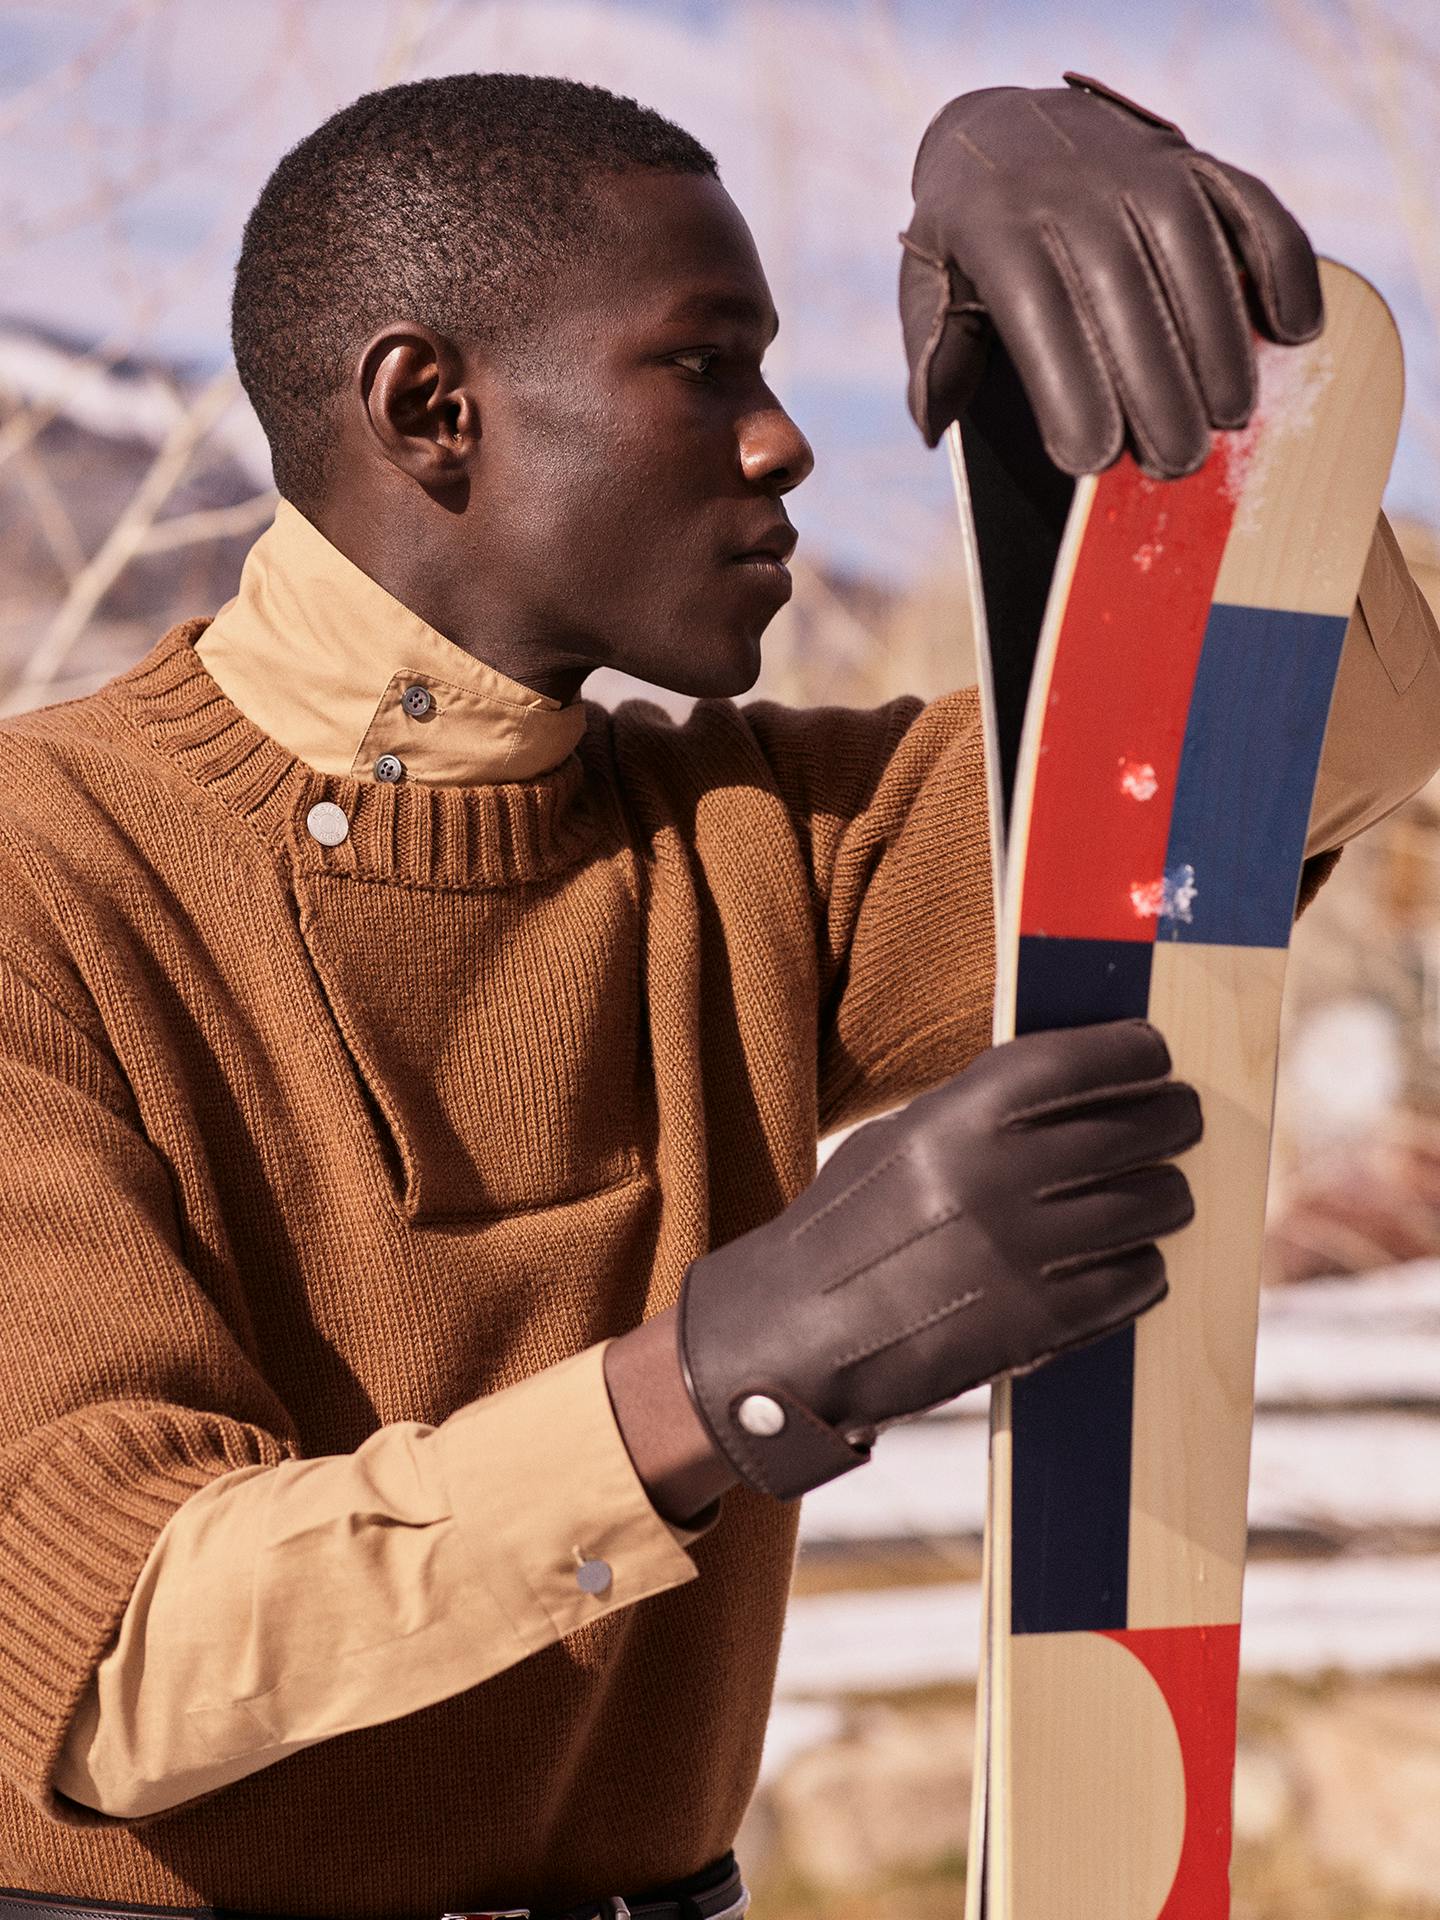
<point x="585" y="1539"/>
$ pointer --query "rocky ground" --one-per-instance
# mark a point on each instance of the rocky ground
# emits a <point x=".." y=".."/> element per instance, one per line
<point x="1337" y="1807"/>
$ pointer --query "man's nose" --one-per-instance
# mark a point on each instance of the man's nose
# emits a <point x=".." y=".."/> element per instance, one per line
<point x="774" y="453"/>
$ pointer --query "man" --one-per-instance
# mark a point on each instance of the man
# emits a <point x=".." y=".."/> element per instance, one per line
<point x="389" y="1040"/>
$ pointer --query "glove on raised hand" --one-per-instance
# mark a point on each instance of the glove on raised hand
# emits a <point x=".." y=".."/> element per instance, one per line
<point x="1003" y="1216"/>
<point x="1096" y="241"/>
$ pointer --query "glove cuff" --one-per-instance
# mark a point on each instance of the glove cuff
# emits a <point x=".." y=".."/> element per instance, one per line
<point x="1083" y="83"/>
<point x="803" y="1451"/>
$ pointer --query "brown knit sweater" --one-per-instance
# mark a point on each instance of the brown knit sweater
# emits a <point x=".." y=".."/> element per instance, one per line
<point x="296" y="1141"/>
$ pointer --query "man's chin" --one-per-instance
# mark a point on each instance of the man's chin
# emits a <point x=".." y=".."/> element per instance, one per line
<point x="719" y="669"/>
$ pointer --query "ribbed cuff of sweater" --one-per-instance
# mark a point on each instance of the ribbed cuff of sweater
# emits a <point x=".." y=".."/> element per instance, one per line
<point x="77" y="1531"/>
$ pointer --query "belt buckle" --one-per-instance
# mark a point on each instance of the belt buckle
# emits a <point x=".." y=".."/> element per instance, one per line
<point x="492" y="1913"/>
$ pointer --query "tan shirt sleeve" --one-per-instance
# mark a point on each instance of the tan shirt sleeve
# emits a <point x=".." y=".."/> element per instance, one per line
<point x="1383" y="741"/>
<point x="282" y="1605"/>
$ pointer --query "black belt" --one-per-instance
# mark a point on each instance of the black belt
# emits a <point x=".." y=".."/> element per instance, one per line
<point x="715" y="1893"/>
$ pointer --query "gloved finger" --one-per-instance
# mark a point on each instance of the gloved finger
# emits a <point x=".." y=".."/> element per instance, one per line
<point x="1097" y="1142"/>
<point x="947" y="338"/>
<point x="1058" y="356"/>
<point x="1149" y="368"/>
<point x="1101" y="1299"/>
<point x="1190" y="257"/>
<point x="1040" y="1077"/>
<point x="1092" y="1228"/>
<point x="1273" y="245"/>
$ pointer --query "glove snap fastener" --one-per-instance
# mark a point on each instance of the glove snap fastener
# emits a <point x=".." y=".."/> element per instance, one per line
<point x="757" y="1413"/>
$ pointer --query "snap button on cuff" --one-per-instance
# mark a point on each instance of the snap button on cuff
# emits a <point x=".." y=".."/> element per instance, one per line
<point x="327" y="823"/>
<point x="417" y="701"/>
<point x="389" y="768"/>
<point x="757" y="1413"/>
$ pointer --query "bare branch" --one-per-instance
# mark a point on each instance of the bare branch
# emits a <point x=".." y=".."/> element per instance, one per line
<point x="125" y="539"/>
<point x="52" y="516"/>
<point x="212" y="523"/>
<point x="70" y="73"/>
<point x="1413" y="177"/>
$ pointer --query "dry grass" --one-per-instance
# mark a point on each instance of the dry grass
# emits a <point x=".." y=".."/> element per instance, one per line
<point x="1276" y="1882"/>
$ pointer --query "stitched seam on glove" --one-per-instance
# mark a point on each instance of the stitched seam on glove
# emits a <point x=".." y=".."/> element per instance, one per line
<point x="921" y="1233"/>
<point x="1083" y="1262"/>
<point x="1081" y="1184"/>
<point x="1059" y="132"/>
<point x="957" y="1305"/>
<point x="1218" y="186"/>
<point x="963" y="140"/>
<point x="856" y="1186"/>
<point x="1159" y="266"/>
<point x="1149" y="449"/>
<point x="1054" y="244"/>
<point x="1068" y="1103"/>
<point x="1230" y="282"/>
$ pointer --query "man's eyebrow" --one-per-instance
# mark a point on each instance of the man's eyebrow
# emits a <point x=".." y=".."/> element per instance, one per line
<point x="725" y="306"/>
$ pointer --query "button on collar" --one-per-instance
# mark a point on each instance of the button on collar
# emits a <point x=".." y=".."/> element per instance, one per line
<point x="327" y="823"/>
<point x="417" y="701"/>
<point x="389" y="768"/>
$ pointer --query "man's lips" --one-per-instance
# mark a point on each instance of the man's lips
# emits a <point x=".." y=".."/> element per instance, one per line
<point x="776" y="545"/>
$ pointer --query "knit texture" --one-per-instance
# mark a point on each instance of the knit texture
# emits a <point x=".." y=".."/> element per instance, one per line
<point x="298" y="1140"/>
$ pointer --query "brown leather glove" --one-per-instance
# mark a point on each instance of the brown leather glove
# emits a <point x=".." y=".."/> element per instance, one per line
<point x="1096" y="241"/>
<point x="998" y="1219"/>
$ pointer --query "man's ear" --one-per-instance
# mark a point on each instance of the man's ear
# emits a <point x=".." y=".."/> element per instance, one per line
<point x="419" y="405"/>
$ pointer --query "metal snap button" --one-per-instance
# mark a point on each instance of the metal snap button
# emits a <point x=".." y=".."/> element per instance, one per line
<point x="594" y="1576"/>
<point x="327" y="823"/>
<point x="757" y="1413"/>
<point x="417" y="701"/>
<point x="389" y="768"/>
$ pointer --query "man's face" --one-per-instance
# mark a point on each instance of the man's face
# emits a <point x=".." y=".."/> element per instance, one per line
<point x="625" y="502"/>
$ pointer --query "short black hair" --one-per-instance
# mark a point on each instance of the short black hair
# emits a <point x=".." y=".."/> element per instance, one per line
<point x="450" y="201"/>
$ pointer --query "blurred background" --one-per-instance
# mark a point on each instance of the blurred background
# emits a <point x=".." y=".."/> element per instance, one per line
<point x="133" y="140"/>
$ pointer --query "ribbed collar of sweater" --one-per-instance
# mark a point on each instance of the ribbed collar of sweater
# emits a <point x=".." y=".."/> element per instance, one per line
<point x="410" y="832"/>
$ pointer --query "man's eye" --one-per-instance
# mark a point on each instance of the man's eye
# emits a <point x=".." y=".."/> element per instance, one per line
<point x="699" y="360"/>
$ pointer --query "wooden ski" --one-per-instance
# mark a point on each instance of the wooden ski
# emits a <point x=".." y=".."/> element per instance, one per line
<point x="1153" y="733"/>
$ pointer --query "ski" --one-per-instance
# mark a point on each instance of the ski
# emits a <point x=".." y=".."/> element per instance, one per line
<point x="1153" y="729"/>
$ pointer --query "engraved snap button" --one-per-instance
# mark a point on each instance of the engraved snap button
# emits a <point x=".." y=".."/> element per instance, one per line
<point x="389" y="768"/>
<point x="594" y="1576"/>
<point x="327" y="823"/>
<point x="757" y="1413"/>
<point x="417" y="701"/>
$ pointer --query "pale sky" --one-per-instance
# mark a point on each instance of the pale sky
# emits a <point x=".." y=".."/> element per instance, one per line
<point x="126" y="174"/>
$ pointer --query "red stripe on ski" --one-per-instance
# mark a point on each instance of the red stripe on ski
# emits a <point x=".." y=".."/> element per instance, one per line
<point x="1133" y="627"/>
<point x="1197" y="1669"/>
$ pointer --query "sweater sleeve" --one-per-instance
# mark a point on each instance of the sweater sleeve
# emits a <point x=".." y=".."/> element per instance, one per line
<point x="890" y="807"/>
<point x="122" y="1391"/>
<point x="1383" y="740"/>
<point x="157" y="1524"/>
<point x="282" y="1606"/>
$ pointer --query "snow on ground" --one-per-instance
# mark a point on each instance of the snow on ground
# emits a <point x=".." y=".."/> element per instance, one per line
<point x="1347" y="1447"/>
<point x="1326" y="1472"/>
<point x="1371" y="1614"/>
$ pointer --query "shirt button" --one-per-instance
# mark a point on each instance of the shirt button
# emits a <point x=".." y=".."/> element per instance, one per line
<point x="327" y="823"/>
<point x="417" y="702"/>
<point x="594" y="1576"/>
<point x="389" y="768"/>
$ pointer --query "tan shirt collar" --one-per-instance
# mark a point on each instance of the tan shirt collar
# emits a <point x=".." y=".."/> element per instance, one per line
<point x="322" y="658"/>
